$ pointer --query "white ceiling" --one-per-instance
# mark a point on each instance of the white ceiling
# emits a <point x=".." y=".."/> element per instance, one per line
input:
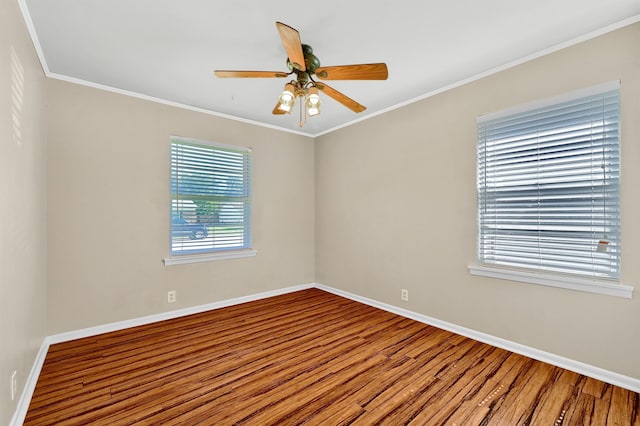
<point x="168" y="49"/>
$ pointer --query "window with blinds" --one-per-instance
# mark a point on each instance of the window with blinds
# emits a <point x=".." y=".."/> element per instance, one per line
<point x="548" y="185"/>
<point x="210" y="197"/>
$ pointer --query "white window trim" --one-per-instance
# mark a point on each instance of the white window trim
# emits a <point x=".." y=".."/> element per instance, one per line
<point x="176" y="138"/>
<point x="209" y="257"/>
<point x="576" y="282"/>
<point x="609" y="288"/>
<point x="223" y="254"/>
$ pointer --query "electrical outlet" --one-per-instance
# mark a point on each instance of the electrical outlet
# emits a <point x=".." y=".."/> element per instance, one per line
<point x="14" y="385"/>
<point x="404" y="294"/>
<point x="171" y="296"/>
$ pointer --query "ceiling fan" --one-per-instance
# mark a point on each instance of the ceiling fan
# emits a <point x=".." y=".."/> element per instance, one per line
<point x="303" y="66"/>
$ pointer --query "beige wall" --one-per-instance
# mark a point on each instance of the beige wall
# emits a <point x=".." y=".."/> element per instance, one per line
<point x="385" y="204"/>
<point x="23" y="206"/>
<point x="108" y="189"/>
<point x="396" y="208"/>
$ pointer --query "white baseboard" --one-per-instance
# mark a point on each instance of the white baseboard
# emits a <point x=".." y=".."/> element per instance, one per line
<point x="25" y="398"/>
<point x="29" y="387"/>
<point x="553" y="359"/>
<point x="569" y="364"/>
<point x="121" y="325"/>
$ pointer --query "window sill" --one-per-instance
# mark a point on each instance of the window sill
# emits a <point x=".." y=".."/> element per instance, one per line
<point x="559" y="281"/>
<point x="209" y="257"/>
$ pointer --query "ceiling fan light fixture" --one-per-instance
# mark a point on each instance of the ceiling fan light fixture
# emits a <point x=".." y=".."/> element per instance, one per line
<point x="287" y="98"/>
<point x="313" y="101"/>
<point x="303" y="64"/>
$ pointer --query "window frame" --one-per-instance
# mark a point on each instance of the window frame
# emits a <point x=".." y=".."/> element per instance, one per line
<point x="213" y="253"/>
<point x="576" y="281"/>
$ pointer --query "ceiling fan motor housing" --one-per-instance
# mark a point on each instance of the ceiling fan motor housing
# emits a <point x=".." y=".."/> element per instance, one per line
<point x="311" y="61"/>
<point x="305" y="65"/>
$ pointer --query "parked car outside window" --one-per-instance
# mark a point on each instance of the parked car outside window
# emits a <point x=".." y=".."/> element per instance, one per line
<point x="182" y="228"/>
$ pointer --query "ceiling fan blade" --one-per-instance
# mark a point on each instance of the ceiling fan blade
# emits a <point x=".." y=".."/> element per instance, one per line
<point x="292" y="44"/>
<point x="249" y="74"/>
<point x="354" y="72"/>
<point x="341" y="97"/>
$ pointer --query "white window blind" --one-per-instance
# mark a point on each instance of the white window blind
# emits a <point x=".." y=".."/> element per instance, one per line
<point x="210" y="197"/>
<point x="548" y="185"/>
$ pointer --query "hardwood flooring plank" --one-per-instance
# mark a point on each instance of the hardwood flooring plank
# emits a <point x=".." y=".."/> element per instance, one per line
<point x="597" y="389"/>
<point x="300" y="396"/>
<point x="309" y="357"/>
<point x="405" y="401"/>
<point x="497" y="381"/>
<point x="624" y="409"/>
<point x="469" y="378"/>
<point x="555" y="405"/>
<point x="246" y="384"/>
<point x="364" y="392"/>
<point x="422" y="376"/>
<point x="588" y="411"/>
<point x="422" y="348"/>
<point x="525" y="395"/>
<point x="340" y="414"/>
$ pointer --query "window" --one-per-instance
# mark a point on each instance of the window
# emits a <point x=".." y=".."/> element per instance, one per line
<point x="548" y="185"/>
<point x="210" y="197"/>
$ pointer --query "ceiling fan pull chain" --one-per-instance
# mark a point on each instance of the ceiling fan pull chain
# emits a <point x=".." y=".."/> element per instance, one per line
<point x="304" y="64"/>
<point x="305" y="118"/>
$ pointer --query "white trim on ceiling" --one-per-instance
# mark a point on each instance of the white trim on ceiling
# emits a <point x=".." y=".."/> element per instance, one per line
<point x="48" y="73"/>
<point x="524" y="59"/>
<point x="32" y="32"/>
<point x="171" y="103"/>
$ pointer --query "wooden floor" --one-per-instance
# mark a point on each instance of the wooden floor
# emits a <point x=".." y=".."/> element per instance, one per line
<point x="314" y="358"/>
